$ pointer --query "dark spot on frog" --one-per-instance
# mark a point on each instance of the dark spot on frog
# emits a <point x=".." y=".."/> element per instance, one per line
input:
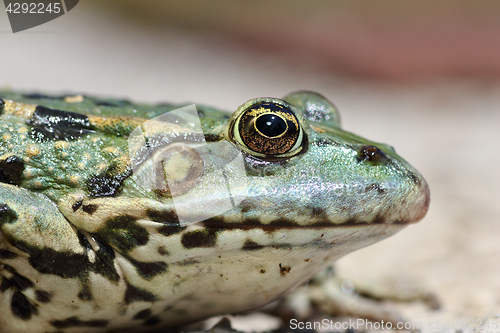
<point x="21" y="307"/>
<point x="21" y="247"/>
<point x="246" y="205"/>
<point x="83" y="241"/>
<point x="351" y="221"/>
<point x="136" y="294"/>
<point x="76" y="206"/>
<point x="284" y="270"/>
<point x="19" y="281"/>
<point x="6" y="254"/>
<point x="105" y="255"/>
<point x="214" y="221"/>
<point x="11" y="170"/>
<point x="318" y="212"/>
<point x="163" y="251"/>
<point x="70" y="264"/>
<point x="251" y="222"/>
<point x="114" y="103"/>
<point x="262" y="271"/>
<point x="90" y="208"/>
<point x="85" y="294"/>
<point x="414" y="178"/>
<point x="75" y="322"/>
<point x="63" y="264"/>
<point x="43" y="296"/>
<point x="283" y="222"/>
<point x="152" y="321"/>
<point x="123" y="233"/>
<point x="148" y="270"/>
<point x="371" y="154"/>
<point x="143" y="314"/>
<point x="7" y="215"/>
<point x="41" y="96"/>
<point x="375" y="187"/>
<point x="104" y="260"/>
<point x="188" y="262"/>
<point x="379" y="219"/>
<point x="104" y="103"/>
<point x="168" y="230"/>
<point x="209" y="137"/>
<point x="108" y="183"/>
<point x="162" y="216"/>
<point x="49" y="124"/>
<point x="5" y="284"/>
<point x="250" y="245"/>
<point x="200" y="238"/>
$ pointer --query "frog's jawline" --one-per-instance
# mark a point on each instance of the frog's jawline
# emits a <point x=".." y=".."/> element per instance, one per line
<point x="290" y="225"/>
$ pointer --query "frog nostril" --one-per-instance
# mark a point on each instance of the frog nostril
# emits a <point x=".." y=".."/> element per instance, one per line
<point x="371" y="154"/>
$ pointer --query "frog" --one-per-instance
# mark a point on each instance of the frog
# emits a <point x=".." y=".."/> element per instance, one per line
<point x="88" y="245"/>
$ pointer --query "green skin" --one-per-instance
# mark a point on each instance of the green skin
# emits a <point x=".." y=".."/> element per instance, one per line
<point x="85" y="246"/>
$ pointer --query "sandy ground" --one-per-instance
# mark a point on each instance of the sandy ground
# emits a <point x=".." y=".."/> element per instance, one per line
<point x="449" y="130"/>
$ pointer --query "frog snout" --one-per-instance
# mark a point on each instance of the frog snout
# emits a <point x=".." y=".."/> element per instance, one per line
<point x="422" y="204"/>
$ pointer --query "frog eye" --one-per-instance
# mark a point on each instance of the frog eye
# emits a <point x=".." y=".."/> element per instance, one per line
<point x="268" y="129"/>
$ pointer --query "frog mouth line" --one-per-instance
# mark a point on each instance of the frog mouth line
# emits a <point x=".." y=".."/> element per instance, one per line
<point x="293" y="225"/>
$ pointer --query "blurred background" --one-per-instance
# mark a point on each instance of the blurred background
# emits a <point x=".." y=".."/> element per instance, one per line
<point x="423" y="76"/>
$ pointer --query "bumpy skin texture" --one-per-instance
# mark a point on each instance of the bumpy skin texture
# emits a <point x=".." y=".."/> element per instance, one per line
<point x="85" y="247"/>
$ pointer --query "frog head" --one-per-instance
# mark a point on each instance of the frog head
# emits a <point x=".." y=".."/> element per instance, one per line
<point x="273" y="163"/>
<point x="307" y="171"/>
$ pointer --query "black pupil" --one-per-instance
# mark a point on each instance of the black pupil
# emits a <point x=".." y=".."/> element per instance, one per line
<point x="270" y="125"/>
